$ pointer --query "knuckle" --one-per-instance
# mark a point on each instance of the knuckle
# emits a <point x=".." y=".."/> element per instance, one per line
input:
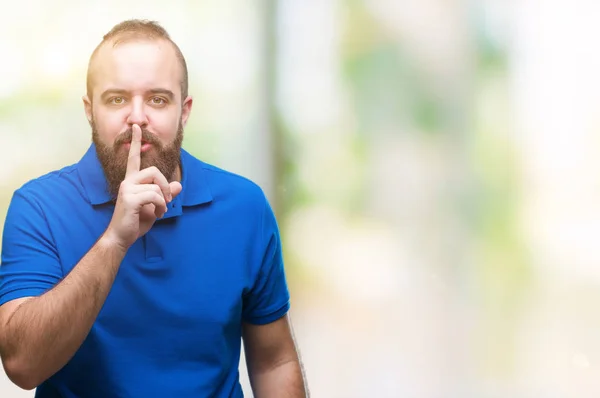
<point x="126" y="199"/>
<point x="123" y="187"/>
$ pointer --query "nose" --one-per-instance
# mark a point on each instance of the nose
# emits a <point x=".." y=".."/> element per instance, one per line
<point x="138" y="113"/>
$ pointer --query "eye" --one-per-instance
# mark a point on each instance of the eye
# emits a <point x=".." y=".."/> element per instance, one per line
<point x="158" y="101"/>
<point x="116" y="100"/>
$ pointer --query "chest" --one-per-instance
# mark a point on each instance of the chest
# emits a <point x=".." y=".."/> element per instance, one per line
<point x="187" y="275"/>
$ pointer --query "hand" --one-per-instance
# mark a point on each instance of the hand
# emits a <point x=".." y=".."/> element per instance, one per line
<point x="143" y="197"/>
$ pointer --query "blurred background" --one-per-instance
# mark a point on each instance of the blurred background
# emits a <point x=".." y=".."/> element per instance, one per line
<point x="434" y="167"/>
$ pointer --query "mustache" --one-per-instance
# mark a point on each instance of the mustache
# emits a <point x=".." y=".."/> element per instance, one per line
<point x="126" y="136"/>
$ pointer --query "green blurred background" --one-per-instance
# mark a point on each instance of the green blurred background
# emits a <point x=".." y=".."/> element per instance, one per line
<point x="433" y="167"/>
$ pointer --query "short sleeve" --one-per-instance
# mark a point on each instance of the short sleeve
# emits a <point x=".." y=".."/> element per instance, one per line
<point x="269" y="298"/>
<point x="30" y="263"/>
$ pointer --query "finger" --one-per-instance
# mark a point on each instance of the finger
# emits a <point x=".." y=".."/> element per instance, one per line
<point x="175" y="188"/>
<point x="139" y="188"/>
<point x="136" y="189"/>
<point x="159" y="213"/>
<point x="152" y="175"/>
<point x="151" y="197"/>
<point x="150" y="209"/>
<point x="134" y="160"/>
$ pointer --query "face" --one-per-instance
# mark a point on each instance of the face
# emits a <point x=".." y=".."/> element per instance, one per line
<point x="137" y="82"/>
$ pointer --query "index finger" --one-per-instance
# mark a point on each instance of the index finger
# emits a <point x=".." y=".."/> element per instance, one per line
<point x="133" y="161"/>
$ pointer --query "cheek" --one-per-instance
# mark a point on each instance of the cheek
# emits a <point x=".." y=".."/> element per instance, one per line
<point x="165" y="128"/>
<point x="165" y="136"/>
<point x="108" y="126"/>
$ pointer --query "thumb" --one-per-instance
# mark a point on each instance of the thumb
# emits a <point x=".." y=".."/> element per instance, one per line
<point x="175" y="188"/>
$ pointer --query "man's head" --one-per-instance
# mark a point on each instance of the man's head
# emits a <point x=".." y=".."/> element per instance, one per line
<point x="137" y="75"/>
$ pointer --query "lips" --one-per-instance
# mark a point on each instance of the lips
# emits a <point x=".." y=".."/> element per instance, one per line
<point x="143" y="148"/>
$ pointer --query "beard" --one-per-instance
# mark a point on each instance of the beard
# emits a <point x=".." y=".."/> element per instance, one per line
<point x="113" y="158"/>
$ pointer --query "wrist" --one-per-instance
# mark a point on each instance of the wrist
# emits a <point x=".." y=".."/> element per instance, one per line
<point x="110" y="242"/>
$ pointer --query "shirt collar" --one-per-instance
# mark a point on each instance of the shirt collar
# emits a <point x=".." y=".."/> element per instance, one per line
<point x="195" y="189"/>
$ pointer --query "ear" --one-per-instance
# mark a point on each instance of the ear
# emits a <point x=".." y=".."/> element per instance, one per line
<point x="87" y="106"/>
<point x="186" y="109"/>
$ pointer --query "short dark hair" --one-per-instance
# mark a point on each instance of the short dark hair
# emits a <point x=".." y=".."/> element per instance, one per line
<point x="135" y="29"/>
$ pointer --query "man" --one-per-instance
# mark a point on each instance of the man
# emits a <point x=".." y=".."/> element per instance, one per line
<point x="137" y="271"/>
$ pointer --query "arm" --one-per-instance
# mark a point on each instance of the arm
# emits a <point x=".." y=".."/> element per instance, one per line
<point x="40" y="334"/>
<point x="274" y="366"/>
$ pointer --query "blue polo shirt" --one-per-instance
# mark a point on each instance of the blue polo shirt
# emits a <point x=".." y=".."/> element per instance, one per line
<point x="171" y="324"/>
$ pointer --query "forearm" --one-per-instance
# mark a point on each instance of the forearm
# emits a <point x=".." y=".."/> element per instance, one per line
<point x="46" y="331"/>
<point x="283" y="381"/>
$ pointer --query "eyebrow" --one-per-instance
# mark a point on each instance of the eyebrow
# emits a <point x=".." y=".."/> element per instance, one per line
<point x="163" y="91"/>
<point x="113" y="91"/>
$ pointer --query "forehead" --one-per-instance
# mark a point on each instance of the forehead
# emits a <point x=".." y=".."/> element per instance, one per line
<point x="136" y="66"/>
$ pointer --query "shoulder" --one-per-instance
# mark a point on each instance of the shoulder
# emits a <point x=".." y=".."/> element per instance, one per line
<point x="226" y="180"/>
<point x="51" y="187"/>
<point x="226" y="185"/>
